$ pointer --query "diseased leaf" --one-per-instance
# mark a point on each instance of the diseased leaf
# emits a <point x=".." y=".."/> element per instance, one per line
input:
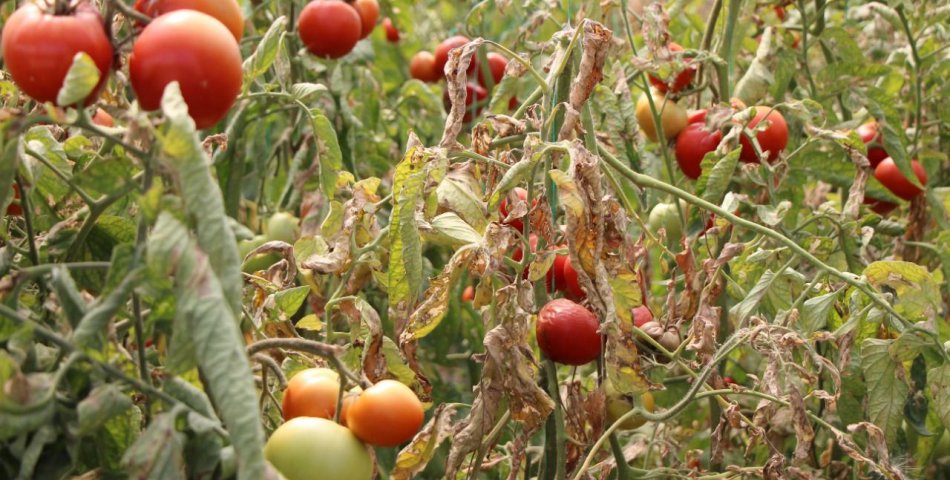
<point x="886" y="387"/>
<point x="413" y="458"/>
<point x="918" y="295"/>
<point x="267" y="48"/>
<point x="70" y="300"/>
<point x="939" y="380"/>
<point x="717" y="175"/>
<point x="405" y="246"/>
<point x="331" y="158"/>
<point x="81" y="79"/>
<point x="103" y="403"/>
<point x="158" y="452"/>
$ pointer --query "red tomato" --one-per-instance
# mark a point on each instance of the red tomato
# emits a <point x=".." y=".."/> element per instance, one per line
<point x="14" y="207"/>
<point x="227" y="12"/>
<point x="692" y="144"/>
<point x="199" y="53"/>
<point x="880" y="207"/>
<point x="513" y="103"/>
<point x="729" y="381"/>
<point x="772" y="140"/>
<point x="468" y="294"/>
<point x="680" y="81"/>
<point x="872" y="138"/>
<point x="572" y="286"/>
<point x="442" y="53"/>
<point x="422" y="67"/>
<point x="555" y="278"/>
<point x="889" y="176"/>
<point x="567" y="332"/>
<point x="779" y="12"/>
<point x="392" y="34"/>
<point x="369" y="12"/>
<point x="103" y="119"/>
<point x="38" y="48"/>
<point x="642" y="315"/>
<point x="329" y="28"/>
<point x="311" y="393"/>
<point x="386" y="414"/>
<point x="496" y="64"/>
<point x="473" y="93"/>
<point x="696" y="116"/>
<point x="519" y="254"/>
<point x="503" y="210"/>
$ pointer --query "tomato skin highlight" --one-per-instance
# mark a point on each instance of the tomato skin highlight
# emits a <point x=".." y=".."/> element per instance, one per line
<point x="692" y="145"/>
<point x="392" y="33"/>
<point x="369" y="12"/>
<point x="329" y="28"/>
<point x="38" y="48"/>
<point x="887" y="173"/>
<point x="199" y="53"/>
<point x="228" y="12"/>
<point x="442" y="53"/>
<point x="422" y="67"/>
<point x="386" y="414"/>
<point x="567" y="333"/>
<point x="306" y="448"/>
<point x="773" y="139"/>
<point x="311" y="393"/>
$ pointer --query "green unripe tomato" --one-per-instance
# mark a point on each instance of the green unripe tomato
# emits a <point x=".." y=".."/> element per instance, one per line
<point x="261" y="261"/>
<point x="665" y="216"/>
<point x="305" y="448"/>
<point x="282" y="226"/>
<point x="619" y="404"/>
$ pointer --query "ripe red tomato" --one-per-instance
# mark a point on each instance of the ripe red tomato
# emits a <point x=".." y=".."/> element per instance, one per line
<point x="555" y="279"/>
<point x="642" y="315"/>
<point x="329" y="28"/>
<point x="303" y="446"/>
<point x="199" y="53"/>
<point x="519" y="254"/>
<point x="369" y="12"/>
<point x="503" y="209"/>
<point x="468" y="294"/>
<point x="38" y="48"/>
<point x="771" y="140"/>
<point x="571" y="286"/>
<point x="729" y="381"/>
<point x="14" y="207"/>
<point x="696" y="116"/>
<point x="227" y="12"/>
<point x="422" y="67"/>
<point x="473" y="93"/>
<point x="392" y="34"/>
<point x="442" y="53"/>
<point x="386" y="414"/>
<point x="496" y="64"/>
<point x="103" y="119"/>
<point x="680" y="81"/>
<point x="567" y="332"/>
<point x="880" y="207"/>
<point x="311" y="393"/>
<point x="889" y="176"/>
<point x="872" y="138"/>
<point x="692" y="144"/>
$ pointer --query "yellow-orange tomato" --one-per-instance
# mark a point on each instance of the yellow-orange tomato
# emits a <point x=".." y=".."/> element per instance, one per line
<point x="348" y="398"/>
<point x="673" y="117"/>
<point x="311" y="393"/>
<point x="227" y="12"/>
<point x="386" y="414"/>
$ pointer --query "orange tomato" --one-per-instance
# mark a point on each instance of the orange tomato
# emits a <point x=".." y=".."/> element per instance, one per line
<point x="386" y="414"/>
<point x="311" y="393"/>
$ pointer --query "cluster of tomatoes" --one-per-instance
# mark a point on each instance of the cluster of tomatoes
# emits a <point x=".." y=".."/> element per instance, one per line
<point x="193" y="42"/>
<point x="310" y="443"/>
<point x="331" y="28"/>
<point x="430" y="67"/>
<point x="886" y="171"/>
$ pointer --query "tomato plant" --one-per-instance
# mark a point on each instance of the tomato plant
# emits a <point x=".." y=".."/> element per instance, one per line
<point x="369" y="12"/>
<point x="772" y="139"/>
<point x="422" y="67"/>
<point x="567" y="332"/>
<point x="442" y="53"/>
<point x="199" y="53"/>
<point x="496" y="66"/>
<point x="619" y="404"/>
<point x="678" y="80"/>
<point x="228" y="12"/>
<point x="673" y="117"/>
<point x="872" y="138"/>
<point x="392" y="33"/>
<point x="475" y="96"/>
<point x="330" y="28"/>
<point x="39" y="46"/>
<point x="891" y="177"/>
<point x="303" y="446"/>
<point x="386" y="414"/>
<point x="311" y="393"/>
<point x="692" y="145"/>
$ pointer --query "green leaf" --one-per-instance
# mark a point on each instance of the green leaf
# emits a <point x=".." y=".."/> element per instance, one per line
<point x="310" y="322"/>
<point x="70" y="300"/>
<point x="817" y="311"/>
<point x="217" y="342"/>
<point x="289" y="301"/>
<point x="939" y="379"/>
<point x="267" y="48"/>
<point x="743" y="309"/>
<point x="8" y="166"/>
<point x="204" y="204"/>
<point x="717" y="174"/>
<point x="103" y="403"/>
<point x="157" y="454"/>
<point x="887" y="392"/>
<point x="448" y="229"/>
<point x="331" y="158"/>
<point x="93" y="328"/>
<point x="81" y="80"/>
<point x="918" y="294"/>
<point x="458" y="196"/>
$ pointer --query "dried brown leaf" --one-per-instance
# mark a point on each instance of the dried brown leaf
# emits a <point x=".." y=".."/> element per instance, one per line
<point x="414" y="457"/>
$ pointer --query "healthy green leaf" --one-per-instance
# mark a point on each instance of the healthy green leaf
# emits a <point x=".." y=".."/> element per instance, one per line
<point x="887" y="389"/>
